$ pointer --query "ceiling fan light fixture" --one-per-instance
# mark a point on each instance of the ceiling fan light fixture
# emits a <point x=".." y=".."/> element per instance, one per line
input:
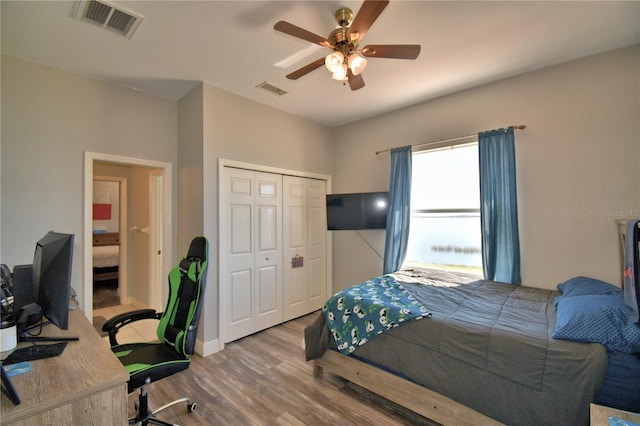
<point x="334" y="61"/>
<point x="346" y="62"/>
<point x="357" y="63"/>
<point x="340" y="73"/>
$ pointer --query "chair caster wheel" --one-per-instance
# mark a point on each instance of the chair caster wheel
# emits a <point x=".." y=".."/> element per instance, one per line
<point x="191" y="407"/>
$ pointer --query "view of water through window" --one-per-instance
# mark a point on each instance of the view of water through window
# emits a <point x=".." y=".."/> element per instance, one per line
<point x="445" y="205"/>
<point x="447" y="241"/>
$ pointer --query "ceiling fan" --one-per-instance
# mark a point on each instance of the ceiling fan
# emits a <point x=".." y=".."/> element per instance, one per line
<point x="345" y="61"/>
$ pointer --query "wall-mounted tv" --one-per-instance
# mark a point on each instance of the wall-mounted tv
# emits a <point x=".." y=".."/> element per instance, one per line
<point x="366" y="210"/>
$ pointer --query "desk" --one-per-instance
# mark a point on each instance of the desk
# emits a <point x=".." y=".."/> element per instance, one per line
<point x="85" y="385"/>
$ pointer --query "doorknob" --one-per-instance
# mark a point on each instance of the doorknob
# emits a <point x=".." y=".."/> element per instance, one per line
<point x="159" y="252"/>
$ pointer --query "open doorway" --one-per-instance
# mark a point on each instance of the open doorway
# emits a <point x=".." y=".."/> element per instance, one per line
<point x="109" y="224"/>
<point x="137" y="227"/>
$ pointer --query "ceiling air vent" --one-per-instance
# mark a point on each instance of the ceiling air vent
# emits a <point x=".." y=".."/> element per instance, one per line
<point x="108" y="16"/>
<point x="271" y="88"/>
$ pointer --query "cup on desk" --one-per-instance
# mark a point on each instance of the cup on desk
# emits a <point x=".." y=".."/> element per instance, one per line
<point x="8" y="338"/>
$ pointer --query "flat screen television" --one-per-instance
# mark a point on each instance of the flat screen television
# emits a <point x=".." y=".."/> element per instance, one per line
<point x="52" y="276"/>
<point x="365" y="210"/>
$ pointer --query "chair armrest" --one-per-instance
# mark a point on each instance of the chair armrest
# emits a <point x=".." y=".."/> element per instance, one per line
<point x="114" y="324"/>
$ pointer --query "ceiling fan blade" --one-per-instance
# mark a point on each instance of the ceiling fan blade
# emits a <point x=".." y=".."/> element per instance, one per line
<point x="287" y="28"/>
<point x="306" y="69"/>
<point x="368" y="13"/>
<point x="395" y="51"/>
<point x="355" y="81"/>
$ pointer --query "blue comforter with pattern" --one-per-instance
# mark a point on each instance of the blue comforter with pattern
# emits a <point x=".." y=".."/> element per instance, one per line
<point x="359" y="313"/>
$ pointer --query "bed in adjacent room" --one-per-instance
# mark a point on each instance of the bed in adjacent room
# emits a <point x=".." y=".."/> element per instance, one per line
<point x="106" y="256"/>
<point x="478" y="352"/>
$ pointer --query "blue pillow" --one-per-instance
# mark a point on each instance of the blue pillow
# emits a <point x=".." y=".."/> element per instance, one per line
<point x="603" y="319"/>
<point x="580" y="286"/>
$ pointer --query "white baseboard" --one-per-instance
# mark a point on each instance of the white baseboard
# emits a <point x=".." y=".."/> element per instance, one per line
<point x="131" y="301"/>
<point x="205" y="349"/>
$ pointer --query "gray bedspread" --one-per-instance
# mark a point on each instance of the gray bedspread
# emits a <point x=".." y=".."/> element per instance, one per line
<point x="488" y="346"/>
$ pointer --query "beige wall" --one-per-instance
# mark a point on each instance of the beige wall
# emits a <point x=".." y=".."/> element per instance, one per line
<point x="190" y="166"/>
<point x="577" y="162"/>
<point x="49" y="119"/>
<point x="190" y="198"/>
<point x="113" y="189"/>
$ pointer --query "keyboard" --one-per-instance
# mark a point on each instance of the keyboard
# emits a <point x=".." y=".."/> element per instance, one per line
<point x="34" y="352"/>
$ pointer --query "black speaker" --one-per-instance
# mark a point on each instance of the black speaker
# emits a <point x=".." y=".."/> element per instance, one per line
<point x="23" y="291"/>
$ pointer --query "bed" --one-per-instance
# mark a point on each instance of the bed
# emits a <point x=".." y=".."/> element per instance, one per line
<point x="482" y="353"/>
<point x="106" y="256"/>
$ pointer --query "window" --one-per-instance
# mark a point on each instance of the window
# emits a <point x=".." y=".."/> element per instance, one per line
<point x="445" y="210"/>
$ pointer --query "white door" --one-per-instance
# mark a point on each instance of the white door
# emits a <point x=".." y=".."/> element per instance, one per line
<point x="157" y="278"/>
<point x="252" y="251"/>
<point x="295" y="246"/>
<point x="316" y="244"/>
<point x="304" y="245"/>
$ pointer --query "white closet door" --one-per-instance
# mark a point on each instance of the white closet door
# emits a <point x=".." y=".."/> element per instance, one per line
<point x="316" y="244"/>
<point x="268" y="249"/>
<point x="304" y="245"/>
<point x="252" y="252"/>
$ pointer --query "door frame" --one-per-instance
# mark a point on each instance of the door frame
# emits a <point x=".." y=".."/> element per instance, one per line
<point x="222" y="163"/>
<point x="156" y="239"/>
<point x="89" y="159"/>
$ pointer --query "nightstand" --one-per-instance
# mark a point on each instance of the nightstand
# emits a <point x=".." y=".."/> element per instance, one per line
<point x="600" y="415"/>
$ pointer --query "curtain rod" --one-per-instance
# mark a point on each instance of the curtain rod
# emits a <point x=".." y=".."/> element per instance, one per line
<point x="518" y="127"/>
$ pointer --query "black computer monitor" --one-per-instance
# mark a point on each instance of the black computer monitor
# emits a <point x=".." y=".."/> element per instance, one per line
<point x="52" y="276"/>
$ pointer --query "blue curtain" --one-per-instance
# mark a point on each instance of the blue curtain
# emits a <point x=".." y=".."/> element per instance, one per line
<point x="397" y="236"/>
<point x="498" y="206"/>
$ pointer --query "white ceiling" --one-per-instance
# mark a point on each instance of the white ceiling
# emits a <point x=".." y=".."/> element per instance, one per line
<point x="232" y="45"/>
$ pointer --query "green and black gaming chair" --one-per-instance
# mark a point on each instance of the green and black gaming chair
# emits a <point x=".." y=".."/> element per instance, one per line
<point x="177" y="329"/>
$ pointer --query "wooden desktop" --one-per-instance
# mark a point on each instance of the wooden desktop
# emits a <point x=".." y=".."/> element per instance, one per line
<point x="600" y="415"/>
<point x="85" y="385"/>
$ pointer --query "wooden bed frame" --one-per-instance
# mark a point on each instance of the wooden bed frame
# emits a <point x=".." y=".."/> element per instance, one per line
<point x="403" y="392"/>
<point x="106" y="239"/>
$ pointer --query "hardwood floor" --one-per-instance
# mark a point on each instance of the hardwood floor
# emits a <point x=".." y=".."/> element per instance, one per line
<point x="263" y="379"/>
